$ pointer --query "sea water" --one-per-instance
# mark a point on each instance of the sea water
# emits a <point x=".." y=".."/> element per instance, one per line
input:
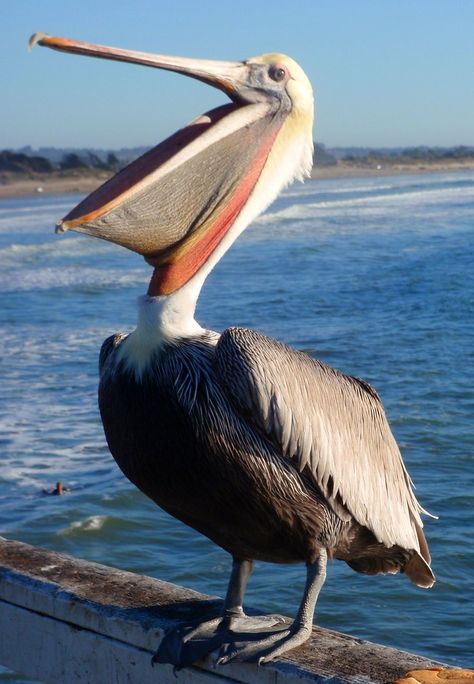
<point x="374" y="276"/>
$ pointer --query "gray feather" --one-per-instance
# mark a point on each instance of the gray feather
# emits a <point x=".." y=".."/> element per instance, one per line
<point x="328" y="424"/>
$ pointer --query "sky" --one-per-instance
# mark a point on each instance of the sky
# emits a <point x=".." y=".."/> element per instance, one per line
<point x="385" y="72"/>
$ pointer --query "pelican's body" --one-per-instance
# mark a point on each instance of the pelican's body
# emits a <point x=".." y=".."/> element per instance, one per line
<point x="187" y="430"/>
<point x="269" y="453"/>
<point x="176" y="435"/>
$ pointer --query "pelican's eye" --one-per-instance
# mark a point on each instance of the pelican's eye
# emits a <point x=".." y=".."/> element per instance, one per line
<point x="277" y="73"/>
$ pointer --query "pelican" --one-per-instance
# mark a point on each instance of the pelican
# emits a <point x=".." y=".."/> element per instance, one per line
<point x="271" y="454"/>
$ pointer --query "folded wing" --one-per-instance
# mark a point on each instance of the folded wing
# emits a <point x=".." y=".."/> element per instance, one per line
<point x="330" y="425"/>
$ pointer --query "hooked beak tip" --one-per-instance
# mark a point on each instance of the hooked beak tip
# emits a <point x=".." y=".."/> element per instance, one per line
<point x="36" y="38"/>
<point x="60" y="227"/>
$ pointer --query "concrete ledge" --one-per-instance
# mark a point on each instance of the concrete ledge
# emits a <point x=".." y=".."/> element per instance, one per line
<point x="67" y="620"/>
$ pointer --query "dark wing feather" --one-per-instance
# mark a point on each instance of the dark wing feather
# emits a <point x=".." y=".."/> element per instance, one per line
<point x="328" y="424"/>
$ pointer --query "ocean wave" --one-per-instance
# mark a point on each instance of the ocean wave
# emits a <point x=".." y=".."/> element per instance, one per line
<point x="354" y="185"/>
<point x="93" y="523"/>
<point x="58" y="207"/>
<point x="17" y="224"/>
<point x="30" y="343"/>
<point x="67" y="277"/>
<point x="39" y="219"/>
<point x="395" y="202"/>
<point x="324" y="188"/>
<point x="72" y="245"/>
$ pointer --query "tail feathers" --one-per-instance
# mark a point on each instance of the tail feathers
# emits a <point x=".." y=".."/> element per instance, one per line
<point x="419" y="571"/>
<point x="423" y="545"/>
<point x="374" y="565"/>
<point x="416" y="568"/>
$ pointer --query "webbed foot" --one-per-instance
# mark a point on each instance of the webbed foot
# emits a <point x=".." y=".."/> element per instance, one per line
<point x="184" y="646"/>
<point x="264" y="647"/>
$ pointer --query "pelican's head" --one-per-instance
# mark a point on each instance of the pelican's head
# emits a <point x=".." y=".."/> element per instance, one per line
<point x="185" y="201"/>
<point x="285" y="76"/>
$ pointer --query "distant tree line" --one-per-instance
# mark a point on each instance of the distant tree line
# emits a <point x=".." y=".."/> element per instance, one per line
<point x="72" y="160"/>
<point x="459" y="152"/>
<point x="84" y="161"/>
<point x="17" y="162"/>
<point x="22" y="163"/>
<point x="410" y="154"/>
<point x="322" y="157"/>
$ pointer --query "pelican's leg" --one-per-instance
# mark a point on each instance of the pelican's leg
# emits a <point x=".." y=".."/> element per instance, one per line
<point x="233" y="616"/>
<point x="186" y="645"/>
<point x="274" y="644"/>
<point x="234" y="599"/>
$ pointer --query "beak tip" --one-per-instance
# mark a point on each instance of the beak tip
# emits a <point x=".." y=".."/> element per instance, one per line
<point x="36" y="38"/>
<point x="60" y="227"/>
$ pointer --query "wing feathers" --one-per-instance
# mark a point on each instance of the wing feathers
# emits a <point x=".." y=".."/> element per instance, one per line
<point x="329" y="424"/>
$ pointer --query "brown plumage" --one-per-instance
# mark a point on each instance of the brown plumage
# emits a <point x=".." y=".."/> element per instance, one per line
<point x="269" y="453"/>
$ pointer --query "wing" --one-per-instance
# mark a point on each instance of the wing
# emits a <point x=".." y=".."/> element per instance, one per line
<point x="328" y="424"/>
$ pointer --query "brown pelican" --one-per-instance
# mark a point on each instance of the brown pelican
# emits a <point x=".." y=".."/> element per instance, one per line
<point x="271" y="454"/>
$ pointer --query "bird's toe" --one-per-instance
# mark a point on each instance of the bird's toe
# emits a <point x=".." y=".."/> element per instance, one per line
<point x="262" y="648"/>
<point x="184" y="646"/>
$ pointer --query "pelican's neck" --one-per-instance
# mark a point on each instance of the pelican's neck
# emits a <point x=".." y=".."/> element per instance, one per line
<point x="161" y="321"/>
<point x="168" y="318"/>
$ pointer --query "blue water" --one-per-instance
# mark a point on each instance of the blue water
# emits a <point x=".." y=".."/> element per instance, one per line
<point x="374" y="276"/>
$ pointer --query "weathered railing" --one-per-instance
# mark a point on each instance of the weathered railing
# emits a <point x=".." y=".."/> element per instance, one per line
<point x="67" y="620"/>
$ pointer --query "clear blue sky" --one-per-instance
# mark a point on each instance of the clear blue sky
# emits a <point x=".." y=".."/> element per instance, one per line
<point x="385" y="72"/>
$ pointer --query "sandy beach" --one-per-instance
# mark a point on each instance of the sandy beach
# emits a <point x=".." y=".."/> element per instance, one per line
<point x="55" y="183"/>
<point x="344" y="170"/>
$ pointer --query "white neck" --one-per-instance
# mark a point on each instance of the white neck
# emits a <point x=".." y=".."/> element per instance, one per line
<point x="161" y="320"/>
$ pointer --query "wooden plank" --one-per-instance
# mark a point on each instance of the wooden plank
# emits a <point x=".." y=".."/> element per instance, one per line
<point x="97" y="619"/>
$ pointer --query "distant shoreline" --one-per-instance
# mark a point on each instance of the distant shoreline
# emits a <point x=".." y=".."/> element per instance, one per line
<point x="349" y="170"/>
<point x="50" y="184"/>
<point x="57" y="184"/>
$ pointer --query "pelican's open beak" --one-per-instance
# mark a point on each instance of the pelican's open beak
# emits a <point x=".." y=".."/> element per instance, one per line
<point x="228" y="76"/>
<point x="175" y="203"/>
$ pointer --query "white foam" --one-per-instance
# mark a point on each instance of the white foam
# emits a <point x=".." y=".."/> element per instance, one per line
<point x="90" y="524"/>
<point x="395" y="202"/>
<point x="37" y="209"/>
<point x="18" y="253"/>
<point x="35" y="219"/>
<point x="66" y="277"/>
<point x="320" y="187"/>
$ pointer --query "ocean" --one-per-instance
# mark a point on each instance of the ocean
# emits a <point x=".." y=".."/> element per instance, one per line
<point x="374" y="276"/>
